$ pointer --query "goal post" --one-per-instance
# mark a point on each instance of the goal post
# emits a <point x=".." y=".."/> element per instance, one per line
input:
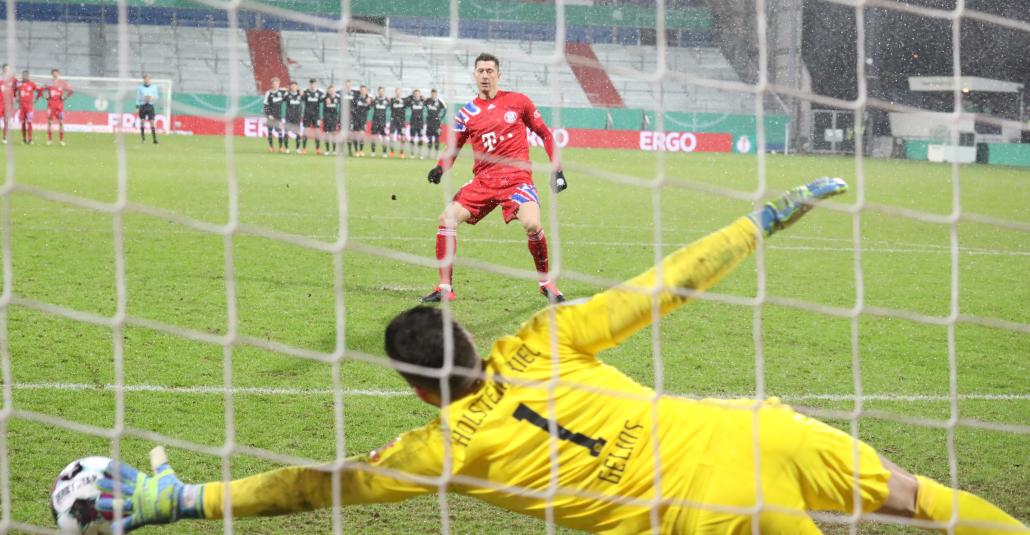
<point x="103" y="104"/>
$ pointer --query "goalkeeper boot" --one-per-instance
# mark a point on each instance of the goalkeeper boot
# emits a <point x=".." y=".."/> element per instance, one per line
<point x="439" y="294"/>
<point x="551" y="292"/>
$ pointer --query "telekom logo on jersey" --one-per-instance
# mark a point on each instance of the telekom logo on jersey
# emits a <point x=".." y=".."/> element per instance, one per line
<point x="489" y="141"/>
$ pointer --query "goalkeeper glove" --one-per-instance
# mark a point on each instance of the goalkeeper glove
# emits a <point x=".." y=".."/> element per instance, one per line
<point x="787" y="209"/>
<point x="558" y="182"/>
<point x="435" y="174"/>
<point x="157" y="499"/>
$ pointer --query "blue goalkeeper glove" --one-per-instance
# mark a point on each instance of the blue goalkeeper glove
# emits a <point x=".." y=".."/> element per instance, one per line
<point x="157" y="499"/>
<point x="784" y="211"/>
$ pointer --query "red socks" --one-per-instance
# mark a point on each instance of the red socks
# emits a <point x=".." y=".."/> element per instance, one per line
<point x="446" y="238"/>
<point x="538" y="248"/>
<point x="447" y="242"/>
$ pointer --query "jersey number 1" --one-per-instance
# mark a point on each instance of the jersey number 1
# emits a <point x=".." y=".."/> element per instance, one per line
<point x="526" y="414"/>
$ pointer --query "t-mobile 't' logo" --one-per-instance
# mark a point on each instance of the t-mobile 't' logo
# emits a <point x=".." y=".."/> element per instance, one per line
<point x="489" y="141"/>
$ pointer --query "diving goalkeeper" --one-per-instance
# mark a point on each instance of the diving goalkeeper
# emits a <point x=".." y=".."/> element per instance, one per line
<point x="585" y="445"/>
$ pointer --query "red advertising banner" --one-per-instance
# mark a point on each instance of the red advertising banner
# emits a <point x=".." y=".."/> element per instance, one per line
<point x="642" y="140"/>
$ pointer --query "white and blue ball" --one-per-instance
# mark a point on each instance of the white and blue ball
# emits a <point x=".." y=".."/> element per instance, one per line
<point x="74" y="494"/>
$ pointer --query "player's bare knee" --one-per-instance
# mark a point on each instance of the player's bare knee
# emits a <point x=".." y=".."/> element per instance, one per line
<point x="447" y="219"/>
<point x="532" y="227"/>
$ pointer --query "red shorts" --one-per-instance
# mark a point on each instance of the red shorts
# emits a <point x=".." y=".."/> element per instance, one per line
<point x="55" y="114"/>
<point x="25" y="115"/>
<point x="480" y="199"/>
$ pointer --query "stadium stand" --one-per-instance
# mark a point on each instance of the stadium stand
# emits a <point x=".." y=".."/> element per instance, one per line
<point x="194" y="58"/>
<point x="188" y="46"/>
<point x="700" y="62"/>
<point x="379" y="60"/>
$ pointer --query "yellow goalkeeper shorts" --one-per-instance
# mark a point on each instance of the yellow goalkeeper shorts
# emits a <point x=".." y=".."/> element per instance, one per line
<point x="805" y="465"/>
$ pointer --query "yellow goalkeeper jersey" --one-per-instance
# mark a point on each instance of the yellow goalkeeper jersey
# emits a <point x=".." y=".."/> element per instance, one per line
<point x="552" y="426"/>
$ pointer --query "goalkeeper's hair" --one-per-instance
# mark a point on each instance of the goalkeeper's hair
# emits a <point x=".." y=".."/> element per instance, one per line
<point x="415" y="336"/>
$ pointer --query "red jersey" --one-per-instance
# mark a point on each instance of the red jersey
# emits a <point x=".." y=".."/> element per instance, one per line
<point x="27" y="93"/>
<point x="6" y="94"/>
<point x="497" y="129"/>
<point x="56" y="94"/>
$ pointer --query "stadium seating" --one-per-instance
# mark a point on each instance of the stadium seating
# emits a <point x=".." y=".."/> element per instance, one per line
<point x="196" y="59"/>
<point x="706" y="63"/>
<point x="391" y="63"/>
<point x="42" y="46"/>
<point x="378" y="60"/>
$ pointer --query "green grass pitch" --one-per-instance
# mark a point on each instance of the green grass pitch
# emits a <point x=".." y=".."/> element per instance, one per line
<point x="64" y="255"/>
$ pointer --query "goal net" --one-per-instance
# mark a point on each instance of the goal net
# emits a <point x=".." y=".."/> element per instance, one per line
<point x="229" y="304"/>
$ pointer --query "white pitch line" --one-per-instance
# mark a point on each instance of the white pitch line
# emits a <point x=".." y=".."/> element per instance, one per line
<point x="569" y="242"/>
<point x="266" y="391"/>
<point x="255" y="390"/>
<point x="885" y="247"/>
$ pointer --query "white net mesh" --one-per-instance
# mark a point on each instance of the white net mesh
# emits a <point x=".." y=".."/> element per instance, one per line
<point x="547" y="78"/>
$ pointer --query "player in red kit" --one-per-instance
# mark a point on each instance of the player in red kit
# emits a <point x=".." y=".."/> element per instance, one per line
<point x="6" y="98"/>
<point x="56" y="92"/>
<point x="28" y="93"/>
<point x="495" y="123"/>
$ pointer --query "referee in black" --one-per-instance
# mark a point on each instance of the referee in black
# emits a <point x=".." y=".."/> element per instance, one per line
<point x="146" y="96"/>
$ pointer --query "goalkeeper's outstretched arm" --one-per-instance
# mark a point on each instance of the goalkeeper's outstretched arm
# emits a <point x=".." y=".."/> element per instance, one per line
<point x="610" y="317"/>
<point x="397" y="471"/>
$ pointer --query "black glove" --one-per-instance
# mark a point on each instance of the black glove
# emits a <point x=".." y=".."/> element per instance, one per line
<point x="435" y="174"/>
<point x="558" y="182"/>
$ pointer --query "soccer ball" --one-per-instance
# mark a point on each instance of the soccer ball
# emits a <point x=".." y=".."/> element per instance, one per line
<point x="74" y="494"/>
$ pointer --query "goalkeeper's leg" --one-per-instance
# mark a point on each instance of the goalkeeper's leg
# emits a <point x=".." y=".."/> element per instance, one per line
<point x="826" y="472"/>
<point x="920" y="497"/>
<point x="932" y="501"/>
